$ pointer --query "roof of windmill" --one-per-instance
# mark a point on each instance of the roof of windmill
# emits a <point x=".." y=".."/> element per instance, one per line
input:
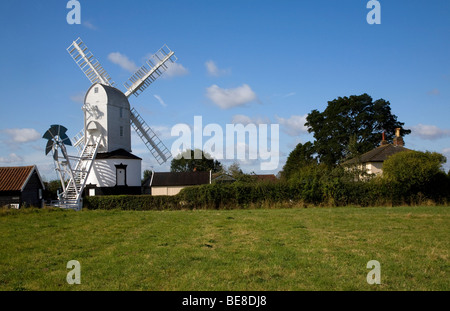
<point x="112" y="92"/>
<point x="116" y="154"/>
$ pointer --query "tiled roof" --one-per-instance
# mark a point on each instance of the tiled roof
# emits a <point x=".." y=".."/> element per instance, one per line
<point x="379" y="154"/>
<point x="13" y="178"/>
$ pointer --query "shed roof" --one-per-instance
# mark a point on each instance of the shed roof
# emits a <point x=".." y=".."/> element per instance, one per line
<point x="161" y="179"/>
<point x="16" y="177"/>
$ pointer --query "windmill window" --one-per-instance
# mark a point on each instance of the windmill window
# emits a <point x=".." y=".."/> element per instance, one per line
<point x="95" y="89"/>
<point x="121" y="112"/>
<point x="121" y="131"/>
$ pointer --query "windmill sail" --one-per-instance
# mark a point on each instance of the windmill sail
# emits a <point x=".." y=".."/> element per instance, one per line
<point x="91" y="67"/>
<point x="148" y="136"/>
<point x="146" y="75"/>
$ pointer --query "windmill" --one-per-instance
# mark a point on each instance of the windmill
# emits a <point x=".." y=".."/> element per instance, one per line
<point x="104" y="164"/>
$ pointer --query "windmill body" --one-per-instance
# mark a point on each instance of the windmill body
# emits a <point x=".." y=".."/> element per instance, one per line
<point x="105" y="164"/>
<point x="107" y="116"/>
<point x="107" y="113"/>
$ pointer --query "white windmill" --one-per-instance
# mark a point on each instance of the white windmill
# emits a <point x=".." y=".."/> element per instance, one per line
<point x="105" y="164"/>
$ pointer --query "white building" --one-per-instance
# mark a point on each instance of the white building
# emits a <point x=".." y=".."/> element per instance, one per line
<point x="372" y="162"/>
<point x="115" y="169"/>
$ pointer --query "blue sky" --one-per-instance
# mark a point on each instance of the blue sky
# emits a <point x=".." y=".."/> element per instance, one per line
<point x="262" y="61"/>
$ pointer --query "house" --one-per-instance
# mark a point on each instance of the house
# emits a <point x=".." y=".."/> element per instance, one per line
<point x="372" y="162"/>
<point x="21" y="186"/>
<point x="171" y="183"/>
<point x="222" y="178"/>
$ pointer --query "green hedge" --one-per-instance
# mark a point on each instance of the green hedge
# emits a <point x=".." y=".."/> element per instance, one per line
<point x="132" y="202"/>
<point x="318" y="191"/>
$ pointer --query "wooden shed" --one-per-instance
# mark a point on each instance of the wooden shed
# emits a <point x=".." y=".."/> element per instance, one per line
<point x="21" y="186"/>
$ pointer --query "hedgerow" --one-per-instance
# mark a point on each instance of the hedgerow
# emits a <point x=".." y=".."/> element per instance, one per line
<point x="410" y="179"/>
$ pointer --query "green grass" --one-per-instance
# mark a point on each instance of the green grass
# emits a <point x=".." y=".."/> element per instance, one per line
<point x="259" y="249"/>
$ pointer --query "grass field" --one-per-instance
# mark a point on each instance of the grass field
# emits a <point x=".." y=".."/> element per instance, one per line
<point x="259" y="249"/>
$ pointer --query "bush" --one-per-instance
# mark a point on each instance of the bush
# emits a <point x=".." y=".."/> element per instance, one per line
<point x="416" y="174"/>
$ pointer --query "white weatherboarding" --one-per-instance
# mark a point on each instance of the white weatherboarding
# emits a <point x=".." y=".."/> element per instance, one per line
<point x="106" y="136"/>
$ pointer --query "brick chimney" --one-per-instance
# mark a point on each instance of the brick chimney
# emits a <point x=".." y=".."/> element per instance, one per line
<point x="398" y="140"/>
<point x="383" y="140"/>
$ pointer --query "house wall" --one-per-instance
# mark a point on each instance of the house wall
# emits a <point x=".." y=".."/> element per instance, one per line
<point x="30" y="194"/>
<point x="375" y="168"/>
<point x="103" y="173"/>
<point x="9" y="197"/>
<point x="166" y="190"/>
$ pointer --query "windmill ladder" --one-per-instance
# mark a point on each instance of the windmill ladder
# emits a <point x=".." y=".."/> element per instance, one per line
<point x="72" y="197"/>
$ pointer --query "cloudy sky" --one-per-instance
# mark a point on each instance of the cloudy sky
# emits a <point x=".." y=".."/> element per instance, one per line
<point x="246" y="61"/>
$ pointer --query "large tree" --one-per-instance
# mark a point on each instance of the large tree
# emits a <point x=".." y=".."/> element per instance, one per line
<point x="195" y="160"/>
<point x="351" y="125"/>
<point x="301" y="156"/>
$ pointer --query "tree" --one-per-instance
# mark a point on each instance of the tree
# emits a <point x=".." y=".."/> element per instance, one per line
<point x="300" y="157"/>
<point x="415" y="171"/>
<point x="187" y="162"/>
<point x="51" y="189"/>
<point x="146" y="174"/>
<point x="234" y="170"/>
<point x="357" y="116"/>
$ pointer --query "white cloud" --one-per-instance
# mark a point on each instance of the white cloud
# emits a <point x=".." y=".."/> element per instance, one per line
<point x="123" y="61"/>
<point x="429" y="132"/>
<point x="78" y="98"/>
<point x="23" y="135"/>
<point x="12" y="158"/>
<point x="89" y="25"/>
<point x="244" y="120"/>
<point x="434" y="92"/>
<point x="214" y="71"/>
<point x="162" y="131"/>
<point x="160" y="100"/>
<point x="175" y="70"/>
<point x="295" y="125"/>
<point x="228" y="98"/>
<point x="289" y="94"/>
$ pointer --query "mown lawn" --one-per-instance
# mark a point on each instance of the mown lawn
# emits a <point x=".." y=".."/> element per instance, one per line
<point x="259" y="249"/>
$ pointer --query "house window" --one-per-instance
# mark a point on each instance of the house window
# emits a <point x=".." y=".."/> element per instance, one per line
<point x="40" y="194"/>
<point x="121" y="131"/>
